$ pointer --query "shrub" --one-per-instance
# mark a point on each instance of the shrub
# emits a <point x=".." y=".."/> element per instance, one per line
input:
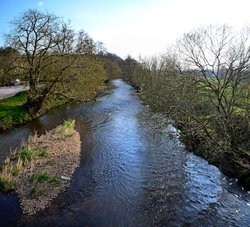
<point x="6" y="122"/>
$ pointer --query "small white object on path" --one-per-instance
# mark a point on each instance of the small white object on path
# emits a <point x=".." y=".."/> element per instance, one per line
<point x="65" y="178"/>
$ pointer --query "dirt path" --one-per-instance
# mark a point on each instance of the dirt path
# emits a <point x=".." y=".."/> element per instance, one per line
<point x="6" y="92"/>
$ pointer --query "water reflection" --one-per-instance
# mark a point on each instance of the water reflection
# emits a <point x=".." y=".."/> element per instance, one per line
<point x="134" y="172"/>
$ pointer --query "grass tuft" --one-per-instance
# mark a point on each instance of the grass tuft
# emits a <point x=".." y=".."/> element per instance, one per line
<point x="54" y="181"/>
<point x="40" y="177"/>
<point x="45" y="177"/>
<point x="6" y="183"/>
<point x="26" y="154"/>
<point x="42" y="152"/>
<point x="33" y="193"/>
<point x="15" y="171"/>
<point x="66" y="129"/>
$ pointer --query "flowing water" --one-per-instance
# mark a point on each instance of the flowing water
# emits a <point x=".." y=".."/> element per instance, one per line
<point x="134" y="171"/>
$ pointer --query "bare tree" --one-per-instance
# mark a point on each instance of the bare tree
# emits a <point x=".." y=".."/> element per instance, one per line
<point x="100" y="48"/>
<point x="84" y="43"/>
<point x="220" y="59"/>
<point x="204" y="87"/>
<point x="65" y="39"/>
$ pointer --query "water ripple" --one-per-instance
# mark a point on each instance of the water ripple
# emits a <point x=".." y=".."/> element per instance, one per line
<point x="136" y="172"/>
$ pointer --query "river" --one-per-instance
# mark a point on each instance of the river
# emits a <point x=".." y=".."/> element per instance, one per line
<point x="133" y="172"/>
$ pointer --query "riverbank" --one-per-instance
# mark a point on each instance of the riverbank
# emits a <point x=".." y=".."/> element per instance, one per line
<point x="14" y="113"/>
<point x="213" y="118"/>
<point x="233" y="163"/>
<point x="128" y="162"/>
<point x="42" y="168"/>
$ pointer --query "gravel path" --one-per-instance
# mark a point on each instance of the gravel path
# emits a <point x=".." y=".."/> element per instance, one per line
<point x="6" y="92"/>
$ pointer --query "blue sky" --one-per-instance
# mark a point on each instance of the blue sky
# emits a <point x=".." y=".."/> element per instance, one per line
<point x="135" y="27"/>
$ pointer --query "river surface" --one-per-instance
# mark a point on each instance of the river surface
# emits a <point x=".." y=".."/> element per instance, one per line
<point x="134" y="171"/>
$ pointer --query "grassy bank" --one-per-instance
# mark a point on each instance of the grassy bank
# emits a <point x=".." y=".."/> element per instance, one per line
<point x="234" y="162"/>
<point x="82" y="81"/>
<point x="214" y="120"/>
<point x="13" y="111"/>
<point x="42" y="168"/>
<point x="207" y="142"/>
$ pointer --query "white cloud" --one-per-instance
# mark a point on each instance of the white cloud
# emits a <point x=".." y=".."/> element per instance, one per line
<point x="40" y="3"/>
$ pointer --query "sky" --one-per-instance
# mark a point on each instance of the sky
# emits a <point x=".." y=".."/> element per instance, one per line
<point x="134" y="27"/>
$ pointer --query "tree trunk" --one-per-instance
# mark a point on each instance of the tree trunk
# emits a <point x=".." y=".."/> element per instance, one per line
<point x="34" y="104"/>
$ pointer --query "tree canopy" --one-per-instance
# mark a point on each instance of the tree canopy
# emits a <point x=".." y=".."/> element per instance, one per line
<point x="51" y="54"/>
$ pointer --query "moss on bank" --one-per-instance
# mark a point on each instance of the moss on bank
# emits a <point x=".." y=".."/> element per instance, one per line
<point x="42" y="168"/>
